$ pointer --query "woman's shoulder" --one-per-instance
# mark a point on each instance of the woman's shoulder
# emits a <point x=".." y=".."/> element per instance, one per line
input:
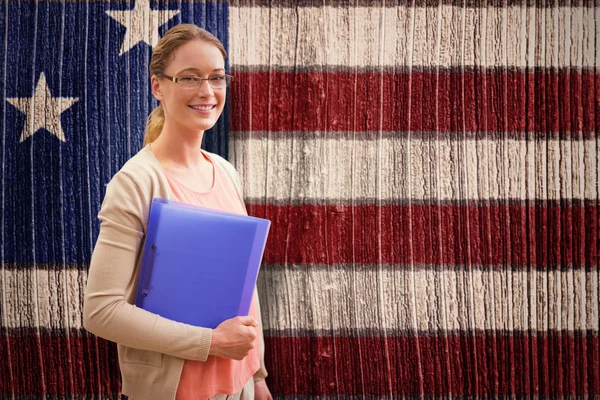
<point x="143" y="163"/>
<point x="131" y="190"/>
<point x="143" y="172"/>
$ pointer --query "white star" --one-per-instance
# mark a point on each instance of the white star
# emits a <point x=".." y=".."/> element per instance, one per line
<point x="42" y="110"/>
<point x="142" y="24"/>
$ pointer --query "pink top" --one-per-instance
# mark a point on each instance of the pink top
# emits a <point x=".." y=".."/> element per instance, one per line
<point x="202" y="380"/>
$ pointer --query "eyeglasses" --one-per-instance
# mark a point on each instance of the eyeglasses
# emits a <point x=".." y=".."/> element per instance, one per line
<point x="193" y="82"/>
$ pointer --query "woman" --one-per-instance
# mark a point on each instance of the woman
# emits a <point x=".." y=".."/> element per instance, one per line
<point x="159" y="358"/>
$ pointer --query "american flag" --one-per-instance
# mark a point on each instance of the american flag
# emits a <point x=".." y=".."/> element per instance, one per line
<point x="430" y="169"/>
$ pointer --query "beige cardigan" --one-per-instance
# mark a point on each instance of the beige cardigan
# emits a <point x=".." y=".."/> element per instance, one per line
<point x="151" y="348"/>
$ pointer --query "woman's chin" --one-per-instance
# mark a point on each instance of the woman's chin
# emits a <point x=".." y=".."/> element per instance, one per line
<point x="206" y="127"/>
<point x="200" y="127"/>
<point x="206" y="123"/>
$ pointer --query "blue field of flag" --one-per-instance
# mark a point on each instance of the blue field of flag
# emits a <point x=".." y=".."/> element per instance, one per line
<point x="74" y="109"/>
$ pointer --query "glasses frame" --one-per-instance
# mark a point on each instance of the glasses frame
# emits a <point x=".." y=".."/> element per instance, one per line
<point x="228" y="79"/>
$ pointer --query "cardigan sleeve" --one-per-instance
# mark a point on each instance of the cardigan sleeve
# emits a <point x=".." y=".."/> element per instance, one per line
<point x="113" y="275"/>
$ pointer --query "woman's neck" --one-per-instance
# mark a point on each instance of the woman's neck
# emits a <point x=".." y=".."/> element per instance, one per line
<point x="178" y="150"/>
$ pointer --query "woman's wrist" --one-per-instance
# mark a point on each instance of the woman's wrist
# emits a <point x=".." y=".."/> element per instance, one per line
<point x="214" y="343"/>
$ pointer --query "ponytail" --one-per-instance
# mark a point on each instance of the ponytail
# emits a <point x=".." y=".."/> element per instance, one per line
<point x="154" y="125"/>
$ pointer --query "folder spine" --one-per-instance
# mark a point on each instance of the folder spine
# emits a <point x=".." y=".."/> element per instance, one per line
<point x="148" y="256"/>
<point x="249" y="284"/>
<point x="146" y="282"/>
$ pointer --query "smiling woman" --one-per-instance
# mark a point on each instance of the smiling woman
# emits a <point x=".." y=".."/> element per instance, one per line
<point x="160" y="358"/>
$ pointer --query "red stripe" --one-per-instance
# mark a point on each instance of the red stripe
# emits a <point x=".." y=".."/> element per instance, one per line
<point x="484" y="365"/>
<point x="494" y="235"/>
<point x="481" y="365"/>
<point x="57" y="363"/>
<point x="447" y="101"/>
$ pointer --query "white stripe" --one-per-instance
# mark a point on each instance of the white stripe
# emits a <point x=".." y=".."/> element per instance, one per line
<point x="369" y="36"/>
<point x="56" y="296"/>
<point x="339" y="170"/>
<point x="337" y="298"/>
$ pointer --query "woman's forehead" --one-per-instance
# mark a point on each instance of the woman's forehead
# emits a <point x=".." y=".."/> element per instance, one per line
<point x="197" y="55"/>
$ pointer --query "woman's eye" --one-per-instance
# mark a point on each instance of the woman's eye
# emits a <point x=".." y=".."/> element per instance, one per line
<point x="217" y="78"/>
<point x="188" y="79"/>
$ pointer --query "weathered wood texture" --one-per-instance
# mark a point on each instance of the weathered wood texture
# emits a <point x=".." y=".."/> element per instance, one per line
<point x="430" y="169"/>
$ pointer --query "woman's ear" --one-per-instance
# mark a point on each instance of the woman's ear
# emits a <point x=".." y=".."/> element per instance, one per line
<point x="156" y="88"/>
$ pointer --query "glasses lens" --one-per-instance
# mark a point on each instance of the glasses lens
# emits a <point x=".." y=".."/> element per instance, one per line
<point x="194" y="82"/>
<point x="189" y="82"/>
<point x="219" y="82"/>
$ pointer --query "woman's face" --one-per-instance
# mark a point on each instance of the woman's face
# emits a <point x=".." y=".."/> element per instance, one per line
<point x="192" y="109"/>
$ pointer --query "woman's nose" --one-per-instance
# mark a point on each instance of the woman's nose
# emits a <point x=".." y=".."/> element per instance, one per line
<point x="205" y="89"/>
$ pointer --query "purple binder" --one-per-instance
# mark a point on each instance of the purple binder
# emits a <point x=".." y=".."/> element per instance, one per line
<point x="199" y="265"/>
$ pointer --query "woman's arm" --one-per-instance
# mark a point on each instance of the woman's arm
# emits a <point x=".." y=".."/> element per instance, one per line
<point x="106" y="312"/>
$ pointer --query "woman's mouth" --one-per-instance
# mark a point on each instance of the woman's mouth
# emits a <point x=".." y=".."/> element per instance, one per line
<point x="204" y="108"/>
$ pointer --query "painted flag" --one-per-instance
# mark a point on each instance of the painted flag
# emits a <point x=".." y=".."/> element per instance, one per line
<point x="430" y="170"/>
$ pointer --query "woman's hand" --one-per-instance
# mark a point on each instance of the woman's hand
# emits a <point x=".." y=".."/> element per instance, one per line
<point x="261" y="391"/>
<point x="234" y="338"/>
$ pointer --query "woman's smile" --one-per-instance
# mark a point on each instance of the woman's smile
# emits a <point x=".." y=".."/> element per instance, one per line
<point x="205" y="109"/>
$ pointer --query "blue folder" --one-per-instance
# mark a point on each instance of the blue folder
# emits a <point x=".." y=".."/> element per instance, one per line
<point x="199" y="266"/>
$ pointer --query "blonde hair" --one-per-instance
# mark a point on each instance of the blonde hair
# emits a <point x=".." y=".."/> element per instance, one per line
<point x="162" y="56"/>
